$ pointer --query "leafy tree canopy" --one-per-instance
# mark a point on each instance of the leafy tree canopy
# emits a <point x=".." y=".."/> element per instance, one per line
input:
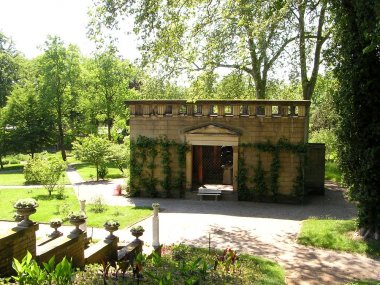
<point x="358" y="106"/>
<point x="9" y="68"/>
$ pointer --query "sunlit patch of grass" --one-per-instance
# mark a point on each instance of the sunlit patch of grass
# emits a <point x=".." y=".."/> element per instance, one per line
<point x="337" y="235"/>
<point x="88" y="171"/>
<point x="332" y="172"/>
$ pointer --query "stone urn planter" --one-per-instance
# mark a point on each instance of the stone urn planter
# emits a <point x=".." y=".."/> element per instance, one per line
<point x="55" y="224"/>
<point x="111" y="226"/>
<point x="137" y="232"/>
<point x="25" y="208"/>
<point x="76" y="219"/>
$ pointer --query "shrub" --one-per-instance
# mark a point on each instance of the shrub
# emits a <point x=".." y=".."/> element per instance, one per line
<point x="45" y="170"/>
<point x="103" y="171"/>
<point x="97" y="205"/>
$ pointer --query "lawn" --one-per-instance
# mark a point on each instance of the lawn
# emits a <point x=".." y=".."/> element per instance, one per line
<point x="12" y="175"/>
<point x="337" y="235"/>
<point x="125" y="215"/>
<point x="50" y="207"/>
<point x="332" y="172"/>
<point x="88" y="171"/>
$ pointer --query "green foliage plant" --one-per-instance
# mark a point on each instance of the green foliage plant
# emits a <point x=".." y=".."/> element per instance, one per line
<point x="282" y="145"/>
<point x="165" y="162"/>
<point x="119" y="155"/>
<point x="97" y="205"/>
<point x="59" y="69"/>
<point x="259" y="180"/>
<point x="26" y="203"/>
<point x="274" y="174"/>
<point x="243" y="193"/>
<point x="28" y="272"/>
<point x="46" y="170"/>
<point x="102" y="171"/>
<point x="358" y="105"/>
<point x="180" y="181"/>
<point x="93" y="149"/>
<point x="143" y="162"/>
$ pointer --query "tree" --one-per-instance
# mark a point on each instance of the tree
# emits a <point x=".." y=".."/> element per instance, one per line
<point x="29" y="123"/>
<point x="249" y="36"/>
<point x="58" y="74"/>
<point x="4" y="139"/>
<point x="45" y="169"/>
<point x="313" y="31"/>
<point x="9" y="68"/>
<point x="111" y="78"/>
<point x="119" y="155"/>
<point x="323" y="116"/>
<point x="358" y="106"/>
<point x="94" y="150"/>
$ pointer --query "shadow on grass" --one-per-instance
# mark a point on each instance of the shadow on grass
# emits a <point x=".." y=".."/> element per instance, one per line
<point x="12" y="169"/>
<point x="49" y="198"/>
<point x="115" y="176"/>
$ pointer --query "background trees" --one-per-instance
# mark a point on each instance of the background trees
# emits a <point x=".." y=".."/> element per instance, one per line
<point x="110" y="78"/>
<point x="9" y="68"/>
<point x="58" y="70"/>
<point x="358" y="106"/>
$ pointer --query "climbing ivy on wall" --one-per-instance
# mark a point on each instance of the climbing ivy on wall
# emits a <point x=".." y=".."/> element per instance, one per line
<point x="243" y="193"/>
<point x="261" y="189"/>
<point x="259" y="180"/>
<point x="180" y="181"/>
<point x="165" y="161"/>
<point x="144" y="152"/>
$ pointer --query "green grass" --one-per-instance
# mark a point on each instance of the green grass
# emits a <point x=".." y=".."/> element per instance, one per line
<point x="88" y="171"/>
<point x="13" y="175"/>
<point x="50" y="207"/>
<point x="125" y="215"/>
<point x="337" y="235"/>
<point x="332" y="172"/>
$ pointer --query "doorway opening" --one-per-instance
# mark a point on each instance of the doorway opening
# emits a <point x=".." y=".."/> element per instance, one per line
<point x="212" y="165"/>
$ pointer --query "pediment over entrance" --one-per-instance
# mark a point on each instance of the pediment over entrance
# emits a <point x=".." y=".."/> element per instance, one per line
<point x="212" y="134"/>
<point x="213" y="129"/>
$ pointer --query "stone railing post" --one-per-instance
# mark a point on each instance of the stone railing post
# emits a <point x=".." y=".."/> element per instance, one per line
<point x="268" y="111"/>
<point x="83" y="226"/>
<point x="156" y="226"/>
<point x="236" y="110"/>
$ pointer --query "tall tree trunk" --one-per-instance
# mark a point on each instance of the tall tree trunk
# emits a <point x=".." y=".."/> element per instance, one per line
<point x="109" y="127"/>
<point x="61" y="135"/>
<point x="308" y="85"/>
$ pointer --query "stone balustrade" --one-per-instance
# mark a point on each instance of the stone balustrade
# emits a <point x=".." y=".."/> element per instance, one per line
<point x="218" y="108"/>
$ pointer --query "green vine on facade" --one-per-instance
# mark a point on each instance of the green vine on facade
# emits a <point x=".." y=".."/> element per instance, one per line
<point x="243" y="193"/>
<point x="259" y="180"/>
<point x="274" y="174"/>
<point x="261" y="189"/>
<point x="144" y="152"/>
<point x="165" y="161"/>
<point x="180" y="182"/>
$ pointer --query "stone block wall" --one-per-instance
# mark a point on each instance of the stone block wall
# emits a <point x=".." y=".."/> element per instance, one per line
<point x="278" y="120"/>
<point x="15" y="243"/>
<point x="70" y="246"/>
<point x="102" y="251"/>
